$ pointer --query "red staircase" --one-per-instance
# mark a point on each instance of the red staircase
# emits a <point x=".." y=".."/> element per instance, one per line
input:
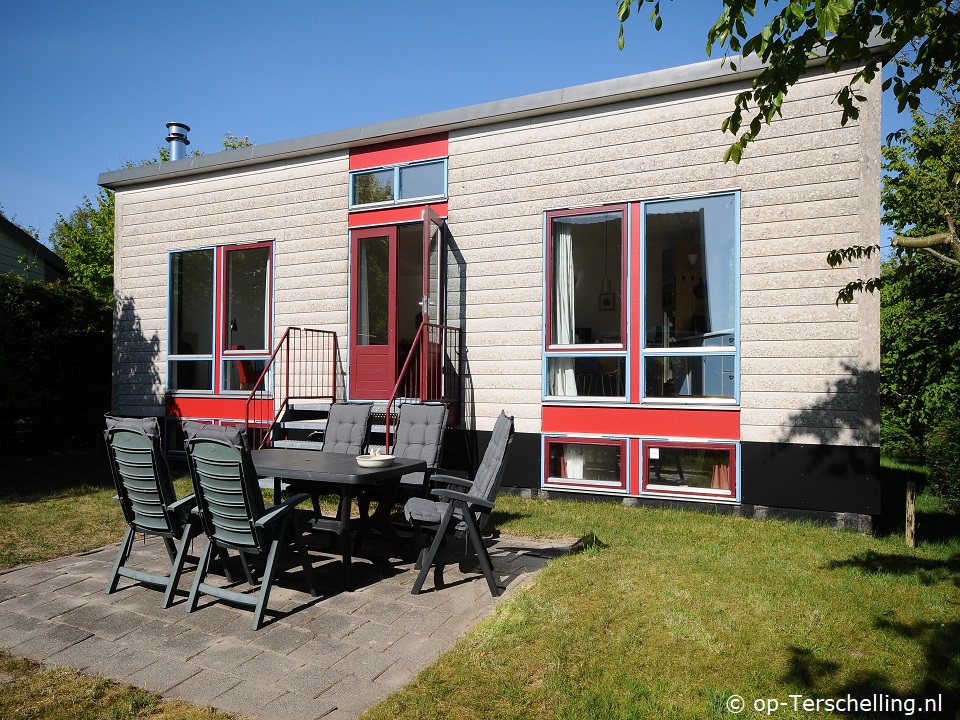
<point x="303" y="367"/>
<point x="433" y="372"/>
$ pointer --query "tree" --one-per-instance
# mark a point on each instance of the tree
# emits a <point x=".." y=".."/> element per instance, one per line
<point x="921" y="192"/>
<point x="919" y="373"/>
<point x="839" y="31"/>
<point x="85" y="239"/>
<point x="85" y="242"/>
<point x="920" y="297"/>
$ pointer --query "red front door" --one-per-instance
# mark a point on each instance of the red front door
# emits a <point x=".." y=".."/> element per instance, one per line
<point x="373" y="335"/>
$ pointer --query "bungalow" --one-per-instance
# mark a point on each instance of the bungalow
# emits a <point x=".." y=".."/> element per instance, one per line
<point x="23" y="255"/>
<point x="662" y="325"/>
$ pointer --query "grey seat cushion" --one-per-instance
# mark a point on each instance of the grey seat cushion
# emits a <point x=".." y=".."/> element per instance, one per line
<point x="424" y="511"/>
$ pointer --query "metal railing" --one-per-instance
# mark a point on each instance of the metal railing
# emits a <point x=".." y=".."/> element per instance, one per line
<point x="432" y="372"/>
<point x="304" y="367"/>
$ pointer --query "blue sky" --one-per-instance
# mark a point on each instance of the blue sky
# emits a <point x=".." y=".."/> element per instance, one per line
<point x="86" y="87"/>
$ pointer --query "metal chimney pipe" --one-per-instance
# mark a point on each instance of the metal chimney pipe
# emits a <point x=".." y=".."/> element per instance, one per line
<point x="177" y="138"/>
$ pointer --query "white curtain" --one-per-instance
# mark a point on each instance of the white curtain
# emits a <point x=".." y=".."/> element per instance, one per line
<point x="573" y="461"/>
<point x="563" y="379"/>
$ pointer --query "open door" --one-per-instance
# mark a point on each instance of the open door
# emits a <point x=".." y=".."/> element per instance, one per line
<point x="397" y="283"/>
<point x="431" y="375"/>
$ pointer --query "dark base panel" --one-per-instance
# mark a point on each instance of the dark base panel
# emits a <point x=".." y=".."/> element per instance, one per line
<point x="828" y="478"/>
<point x="523" y="461"/>
<point x="837" y="520"/>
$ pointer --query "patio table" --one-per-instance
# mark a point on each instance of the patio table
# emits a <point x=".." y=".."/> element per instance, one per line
<point x="320" y="472"/>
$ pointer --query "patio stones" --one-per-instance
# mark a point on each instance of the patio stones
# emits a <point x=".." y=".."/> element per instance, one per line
<point x="332" y="656"/>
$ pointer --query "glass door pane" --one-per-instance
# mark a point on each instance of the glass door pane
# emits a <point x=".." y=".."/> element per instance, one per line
<point x="433" y="252"/>
<point x="373" y="291"/>
<point x="248" y="299"/>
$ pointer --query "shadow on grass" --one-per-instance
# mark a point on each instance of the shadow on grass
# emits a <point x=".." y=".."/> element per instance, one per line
<point x="938" y="527"/>
<point x="927" y="571"/>
<point x="47" y="477"/>
<point x="937" y="679"/>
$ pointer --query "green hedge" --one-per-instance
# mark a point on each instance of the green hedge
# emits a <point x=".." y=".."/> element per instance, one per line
<point x="55" y="358"/>
<point x="943" y="461"/>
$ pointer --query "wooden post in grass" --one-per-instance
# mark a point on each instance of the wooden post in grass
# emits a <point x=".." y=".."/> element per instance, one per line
<point x="911" y="523"/>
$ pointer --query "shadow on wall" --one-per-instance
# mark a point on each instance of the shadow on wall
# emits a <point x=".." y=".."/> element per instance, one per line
<point x="137" y="384"/>
<point x="849" y="413"/>
<point x="457" y="317"/>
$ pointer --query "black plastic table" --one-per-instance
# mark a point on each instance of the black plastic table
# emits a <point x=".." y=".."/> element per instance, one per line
<point x="322" y="473"/>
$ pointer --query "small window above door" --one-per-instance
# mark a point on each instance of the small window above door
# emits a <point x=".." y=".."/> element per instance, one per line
<point x="402" y="184"/>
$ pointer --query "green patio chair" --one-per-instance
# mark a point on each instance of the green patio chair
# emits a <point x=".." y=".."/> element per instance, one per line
<point x="230" y="505"/>
<point x="462" y="508"/>
<point x="148" y="500"/>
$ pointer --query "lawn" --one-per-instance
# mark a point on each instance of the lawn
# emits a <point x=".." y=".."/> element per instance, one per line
<point x="664" y="614"/>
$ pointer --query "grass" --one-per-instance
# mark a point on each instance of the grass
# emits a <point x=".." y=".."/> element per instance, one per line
<point x="62" y="694"/>
<point x="59" y="505"/>
<point x="663" y="614"/>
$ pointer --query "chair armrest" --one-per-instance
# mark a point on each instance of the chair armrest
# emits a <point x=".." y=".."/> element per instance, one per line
<point x="442" y="478"/>
<point x="470" y="500"/>
<point x="187" y="502"/>
<point x="284" y="508"/>
<point x="182" y="508"/>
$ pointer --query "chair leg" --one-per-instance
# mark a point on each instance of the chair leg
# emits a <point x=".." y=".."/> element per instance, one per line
<point x="427" y="560"/>
<point x="482" y="555"/>
<point x="248" y="571"/>
<point x="268" y="574"/>
<point x="305" y="556"/>
<point x="202" y="566"/>
<point x="171" y="548"/>
<point x="177" y="570"/>
<point x="125" y="547"/>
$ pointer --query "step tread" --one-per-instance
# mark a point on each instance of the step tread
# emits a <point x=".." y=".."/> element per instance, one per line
<point x="298" y="444"/>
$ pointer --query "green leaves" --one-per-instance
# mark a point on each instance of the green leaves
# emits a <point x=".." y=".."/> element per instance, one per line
<point x="839" y="31"/>
<point x="829" y="15"/>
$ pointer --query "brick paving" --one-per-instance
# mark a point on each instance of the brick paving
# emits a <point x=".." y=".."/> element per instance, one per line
<point x="329" y="657"/>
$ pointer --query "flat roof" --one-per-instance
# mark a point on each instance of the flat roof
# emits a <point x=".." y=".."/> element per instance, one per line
<point x="604" y="92"/>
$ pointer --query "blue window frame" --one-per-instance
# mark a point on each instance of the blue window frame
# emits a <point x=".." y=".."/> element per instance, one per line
<point x="406" y="183"/>
<point x="691" y="299"/>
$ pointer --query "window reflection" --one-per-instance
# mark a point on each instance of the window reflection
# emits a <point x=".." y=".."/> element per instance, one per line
<point x="373" y="300"/>
<point x="690" y="272"/>
<point x="707" y="470"/>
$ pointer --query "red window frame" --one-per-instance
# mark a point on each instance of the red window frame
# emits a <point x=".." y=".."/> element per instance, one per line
<point x="584" y="484"/>
<point x="624" y="273"/>
<point x="728" y="493"/>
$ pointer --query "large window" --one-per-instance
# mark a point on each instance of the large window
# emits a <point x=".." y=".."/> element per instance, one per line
<point x="398" y="184"/>
<point x="691" y="281"/>
<point x="586" y="316"/>
<point x="229" y="286"/>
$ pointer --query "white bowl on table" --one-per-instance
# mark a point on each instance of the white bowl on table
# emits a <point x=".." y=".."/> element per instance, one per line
<point x="375" y="461"/>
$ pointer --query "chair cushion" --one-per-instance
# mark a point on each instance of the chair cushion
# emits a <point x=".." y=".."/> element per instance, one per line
<point x="491" y="465"/>
<point x="235" y="435"/>
<point x="420" y="432"/>
<point x="148" y="426"/>
<point x="346" y="430"/>
<point x="423" y="510"/>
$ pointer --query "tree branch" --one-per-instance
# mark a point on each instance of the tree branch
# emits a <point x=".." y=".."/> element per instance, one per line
<point x="941" y="256"/>
<point x="921" y="242"/>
